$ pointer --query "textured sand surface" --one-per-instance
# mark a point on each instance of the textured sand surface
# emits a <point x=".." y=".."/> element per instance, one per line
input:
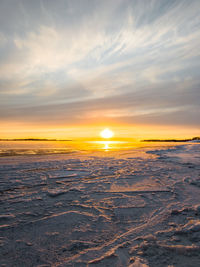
<point x="129" y="208"/>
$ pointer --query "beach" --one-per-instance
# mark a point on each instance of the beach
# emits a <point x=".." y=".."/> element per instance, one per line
<point x="130" y="207"/>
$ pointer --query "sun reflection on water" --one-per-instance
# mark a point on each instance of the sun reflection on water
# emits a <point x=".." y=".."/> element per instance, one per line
<point x="108" y="145"/>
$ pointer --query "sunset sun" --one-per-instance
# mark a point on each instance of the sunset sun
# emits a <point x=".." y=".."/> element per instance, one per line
<point x="106" y="133"/>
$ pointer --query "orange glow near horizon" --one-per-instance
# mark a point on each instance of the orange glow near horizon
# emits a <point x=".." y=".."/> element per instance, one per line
<point x="91" y="131"/>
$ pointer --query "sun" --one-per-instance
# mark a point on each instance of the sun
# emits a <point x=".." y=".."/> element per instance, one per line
<point x="106" y="133"/>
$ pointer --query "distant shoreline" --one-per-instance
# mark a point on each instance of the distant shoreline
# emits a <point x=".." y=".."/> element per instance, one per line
<point x="67" y="140"/>
<point x="34" y="139"/>
<point x="172" y="140"/>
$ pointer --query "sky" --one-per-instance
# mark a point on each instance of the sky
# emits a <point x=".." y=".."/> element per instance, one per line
<point x="71" y="68"/>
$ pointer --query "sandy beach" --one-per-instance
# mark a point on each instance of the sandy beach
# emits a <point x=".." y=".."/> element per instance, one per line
<point x="138" y="207"/>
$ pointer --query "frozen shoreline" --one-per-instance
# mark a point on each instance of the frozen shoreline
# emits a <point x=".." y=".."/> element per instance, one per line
<point x="116" y="209"/>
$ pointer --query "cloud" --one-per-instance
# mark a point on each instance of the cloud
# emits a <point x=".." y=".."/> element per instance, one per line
<point x="72" y="61"/>
<point x="167" y="105"/>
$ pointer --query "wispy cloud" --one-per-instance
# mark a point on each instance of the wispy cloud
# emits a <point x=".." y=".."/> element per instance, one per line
<point x="136" y="61"/>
